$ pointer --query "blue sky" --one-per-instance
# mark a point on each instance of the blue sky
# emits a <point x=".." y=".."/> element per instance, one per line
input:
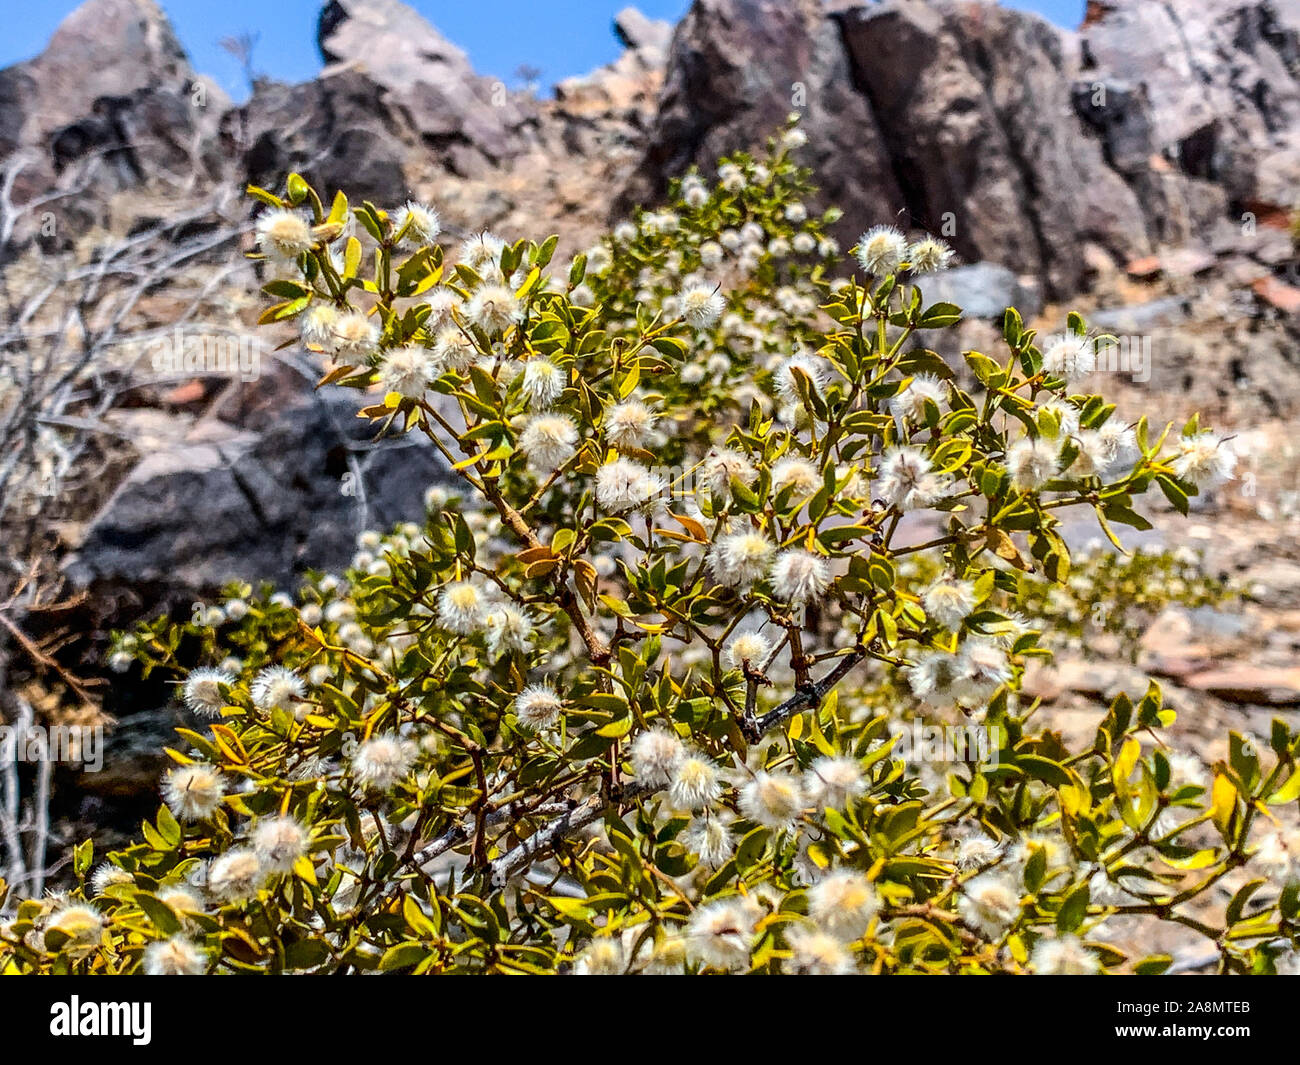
<point x="499" y="35"/>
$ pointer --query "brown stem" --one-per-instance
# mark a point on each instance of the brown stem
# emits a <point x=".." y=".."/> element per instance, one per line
<point x="807" y="696"/>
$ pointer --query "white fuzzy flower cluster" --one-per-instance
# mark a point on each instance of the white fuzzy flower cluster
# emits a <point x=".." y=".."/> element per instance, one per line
<point x="907" y="479"/>
<point x="282" y="235"/>
<point x="968" y="677"/>
<point x="796" y="576"/>
<point x="910" y="403"/>
<point x="884" y="250"/>
<point x="626" y="484"/>
<point x="1070" y="452"/>
<point x="196" y="792"/>
<point x="468" y="608"/>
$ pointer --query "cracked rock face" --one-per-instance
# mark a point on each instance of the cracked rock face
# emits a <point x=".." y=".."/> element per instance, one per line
<point x="115" y="83"/>
<point x="1211" y="86"/>
<point x="71" y="74"/>
<point x="736" y="70"/>
<point x="423" y="72"/>
<point x="974" y="110"/>
<point x="1022" y="143"/>
<point x="341" y="130"/>
<point x="1025" y="145"/>
<point x="222" y="504"/>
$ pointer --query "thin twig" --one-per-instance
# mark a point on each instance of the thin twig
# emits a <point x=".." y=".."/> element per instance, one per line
<point x="808" y="696"/>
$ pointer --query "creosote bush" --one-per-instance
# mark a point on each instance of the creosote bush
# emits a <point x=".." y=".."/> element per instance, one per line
<point x="722" y="528"/>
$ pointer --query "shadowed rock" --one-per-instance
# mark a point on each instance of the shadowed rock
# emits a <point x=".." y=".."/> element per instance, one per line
<point x="227" y="504"/>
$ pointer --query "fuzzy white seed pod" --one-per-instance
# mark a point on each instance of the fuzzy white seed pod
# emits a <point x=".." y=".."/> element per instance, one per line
<point x="656" y="754"/>
<point x="799" y="576"/>
<point x="176" y="956"/>
<point x="843" y="904"/>
<point x="702" y="305"/>
<point x="538" y="707"/>
<point x="881" y="250"/>
<point x="748" y="650"/>
<point x="420" y="221"/>
<point x="629" y="424"/>
<point x="283" y="235"/>
<point x="193" y="792"/>
<point x="278" y="843"/>
<point x="235" y="875"/>
<point x="202" y="690"/>
<point x="548" y="440"/>
<point x="773" y="800"/>
<point x="382" y="762"/>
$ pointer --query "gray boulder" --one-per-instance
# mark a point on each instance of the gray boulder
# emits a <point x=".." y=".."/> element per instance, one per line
<point x="982" y="290"/>
<point x="240" y="504"/>
<point x="471" y="118"/>
<point x="340" y="131"/>
<point x="736" y="70"/>
<point x="104" y="48"/>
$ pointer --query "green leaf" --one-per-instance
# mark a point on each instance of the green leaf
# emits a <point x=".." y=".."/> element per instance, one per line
<point x="1288" y="792"/>
<point x="1117" y="511"/>
<point x="417" y="920"/>
<point x="1044" y="769"/>
<point x="284" y="289"/>
<point x="1237" y="906"/>
<point x="403" y="956"/>
<point x="266" y="197"/>
<point x="306" y="954"/>
<point x="578" y="270"/>
<point x="82" y="857"/>
<point x="1073" y="908"/>
<point x="351" y="258"/>
<point x="1036" y="869"/>
<point x="940" y="316"/>
<point x="1172" y="492"/>
<point x="159" y="913"/>
<point x="1013" y="327"/>
<point x="168" y="827"/>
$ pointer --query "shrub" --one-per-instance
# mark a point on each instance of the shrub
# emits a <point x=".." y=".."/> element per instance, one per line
<point x="631" y="698"/>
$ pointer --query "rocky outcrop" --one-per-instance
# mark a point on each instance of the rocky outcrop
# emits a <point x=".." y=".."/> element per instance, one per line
<point x="1024" y="144"/>
<point x="111" y="100"/>
<point x="1209" y="86"/>
<point x="1027" y="146"/>
<point x="975" y="113"/>
<point x="105" y="48"/>
<point x="642" y="34"/>
<point x="625" y="90"/>
<point x="287" y="493"/>
<point x="736" y="70"/>
<point x="471" y="119"/>
<point x="341" y="130"/>
<point x="984" y="290"/>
